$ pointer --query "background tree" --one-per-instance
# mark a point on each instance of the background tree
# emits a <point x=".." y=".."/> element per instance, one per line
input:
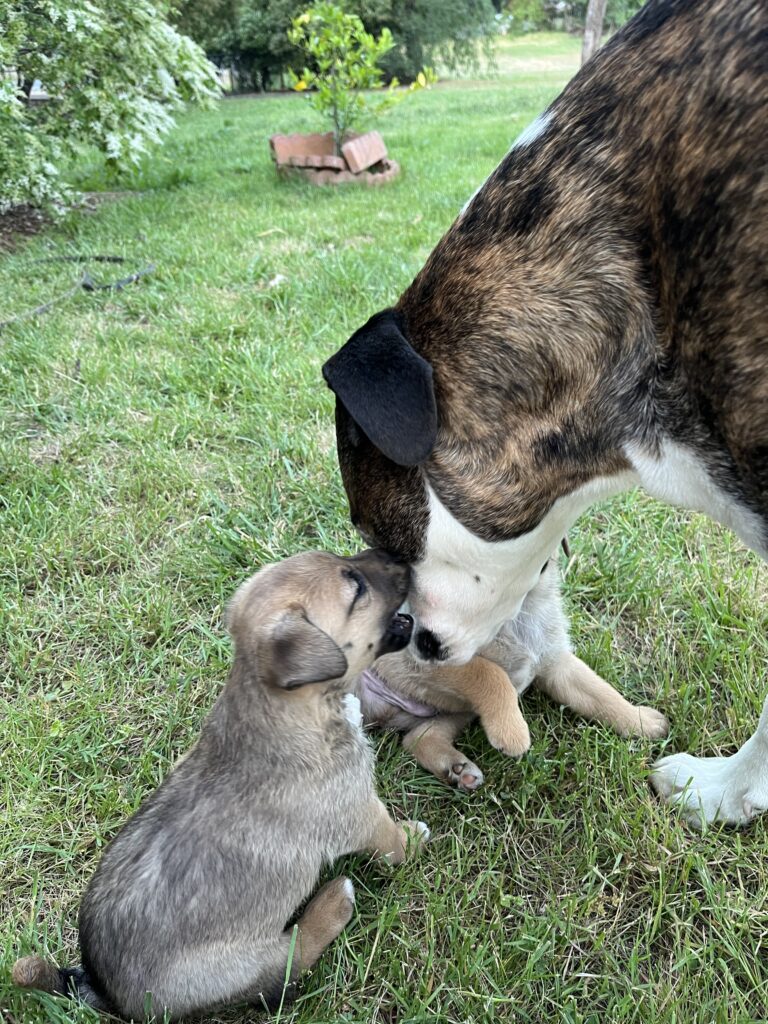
<point x="593" y="29"/>
<point x="455" y="34"/>
<point x="115" y="71"/>
<point x="262" y="50"/>
<point x="209" y="22"/>
<point x="567" y="15"/>
<point x="452" y="35"/>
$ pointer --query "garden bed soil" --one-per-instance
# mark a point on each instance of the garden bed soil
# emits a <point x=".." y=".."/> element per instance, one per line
<point x="23" y="222"/>
<point x="18" y="223"/>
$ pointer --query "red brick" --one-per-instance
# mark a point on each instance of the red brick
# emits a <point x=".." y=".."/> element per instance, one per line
<point x="286" y="147"/>
<point x="364" y="151"/>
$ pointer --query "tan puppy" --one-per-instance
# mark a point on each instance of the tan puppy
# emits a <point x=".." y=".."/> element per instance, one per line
<point x="432" y="703"/>
<point x="189" y="907"/>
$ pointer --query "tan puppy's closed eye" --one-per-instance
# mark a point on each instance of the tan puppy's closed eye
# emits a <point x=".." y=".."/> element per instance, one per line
<point x="190" y="906"/>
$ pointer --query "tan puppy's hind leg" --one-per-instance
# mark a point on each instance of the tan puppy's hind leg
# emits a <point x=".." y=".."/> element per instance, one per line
<point x="323" y="920"/>
<point x="223" y="971"/>
<point x="431" y="743"/>
<point x="572" y="683"/>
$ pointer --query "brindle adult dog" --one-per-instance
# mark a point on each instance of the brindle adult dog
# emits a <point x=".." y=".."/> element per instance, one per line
<point x="593" y="320"/>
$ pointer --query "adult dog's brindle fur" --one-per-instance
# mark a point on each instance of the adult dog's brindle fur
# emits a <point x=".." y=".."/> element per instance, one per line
<point x="594" y="319"/>
<point x="606" y="285"/>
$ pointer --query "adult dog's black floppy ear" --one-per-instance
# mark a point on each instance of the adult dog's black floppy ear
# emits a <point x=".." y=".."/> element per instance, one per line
<point x="300" y="652"/>
<point x="387" y="389"/>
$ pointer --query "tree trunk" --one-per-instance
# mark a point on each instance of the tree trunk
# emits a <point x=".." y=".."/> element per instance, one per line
<point x="25" y="87"/>
<point x="593" y="29"/>
<point x="335" y="123"/>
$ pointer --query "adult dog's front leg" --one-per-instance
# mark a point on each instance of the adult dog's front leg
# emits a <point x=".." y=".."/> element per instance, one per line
<point x="572" y="683"/>
<point x="706" y="789"/>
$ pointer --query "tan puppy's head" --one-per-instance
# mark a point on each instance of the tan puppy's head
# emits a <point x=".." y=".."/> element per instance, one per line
<point x="317" y="617"/>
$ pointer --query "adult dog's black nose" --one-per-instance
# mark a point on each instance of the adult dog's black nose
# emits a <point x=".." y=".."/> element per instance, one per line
<point x="429" y="647"/>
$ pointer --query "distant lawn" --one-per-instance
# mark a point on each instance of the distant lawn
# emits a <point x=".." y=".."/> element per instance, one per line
<point x="540" y="52"/>
<point x="159" y="444"/>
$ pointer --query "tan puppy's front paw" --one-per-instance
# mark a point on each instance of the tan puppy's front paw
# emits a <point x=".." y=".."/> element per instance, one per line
<point x="409" y="836"/>
<point x="417" y="832"/>
<point x="413" y="834"/>
<point x="646" y="722"/>
<point x="511" y="735"/>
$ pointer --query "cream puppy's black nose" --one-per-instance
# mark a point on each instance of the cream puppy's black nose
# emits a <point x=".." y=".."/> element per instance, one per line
<point x="429" y="647"/>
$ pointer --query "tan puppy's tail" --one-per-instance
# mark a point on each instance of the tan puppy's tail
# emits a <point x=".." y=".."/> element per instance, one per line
<point x="35" y="972"/>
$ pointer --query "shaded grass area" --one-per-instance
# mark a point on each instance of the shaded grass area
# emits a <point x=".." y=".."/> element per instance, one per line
<point x="160" y="443"/>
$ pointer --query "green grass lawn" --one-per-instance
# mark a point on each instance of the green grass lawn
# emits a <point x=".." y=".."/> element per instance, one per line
<point x="160" y="443"/>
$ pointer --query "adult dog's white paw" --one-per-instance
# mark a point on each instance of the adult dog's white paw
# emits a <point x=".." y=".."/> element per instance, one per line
<point x="708" y="789"/>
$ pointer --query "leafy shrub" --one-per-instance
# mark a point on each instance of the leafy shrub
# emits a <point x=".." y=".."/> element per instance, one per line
<point x="345" y="60"/>
<point x="115" y="71"/>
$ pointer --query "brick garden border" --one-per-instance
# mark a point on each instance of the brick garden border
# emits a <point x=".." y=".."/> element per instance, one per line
<point x="312" y="157"/>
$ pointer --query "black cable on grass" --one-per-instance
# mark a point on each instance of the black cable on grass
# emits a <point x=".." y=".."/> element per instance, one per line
<point x="85" y="283"/>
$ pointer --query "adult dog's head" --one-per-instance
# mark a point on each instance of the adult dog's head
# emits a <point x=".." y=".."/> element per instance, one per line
<point x="443" y="469"/>
<point x="569" y="336"/>
<point x="505" y="391"/>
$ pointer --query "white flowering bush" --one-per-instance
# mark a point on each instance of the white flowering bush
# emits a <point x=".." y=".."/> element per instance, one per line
<point x="115" y="70"/>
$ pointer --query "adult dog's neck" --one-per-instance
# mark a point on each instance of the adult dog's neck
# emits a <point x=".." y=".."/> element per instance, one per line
<point x="554" y="329"/>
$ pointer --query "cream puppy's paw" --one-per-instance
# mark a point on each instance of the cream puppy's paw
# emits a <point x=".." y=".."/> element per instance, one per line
<point x="466" y="776"/>
<point x="509" y="735"/>
<point x="647" y="722"/>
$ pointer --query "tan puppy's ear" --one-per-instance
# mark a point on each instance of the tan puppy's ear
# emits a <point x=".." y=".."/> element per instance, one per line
<point x="299" y="653"/>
